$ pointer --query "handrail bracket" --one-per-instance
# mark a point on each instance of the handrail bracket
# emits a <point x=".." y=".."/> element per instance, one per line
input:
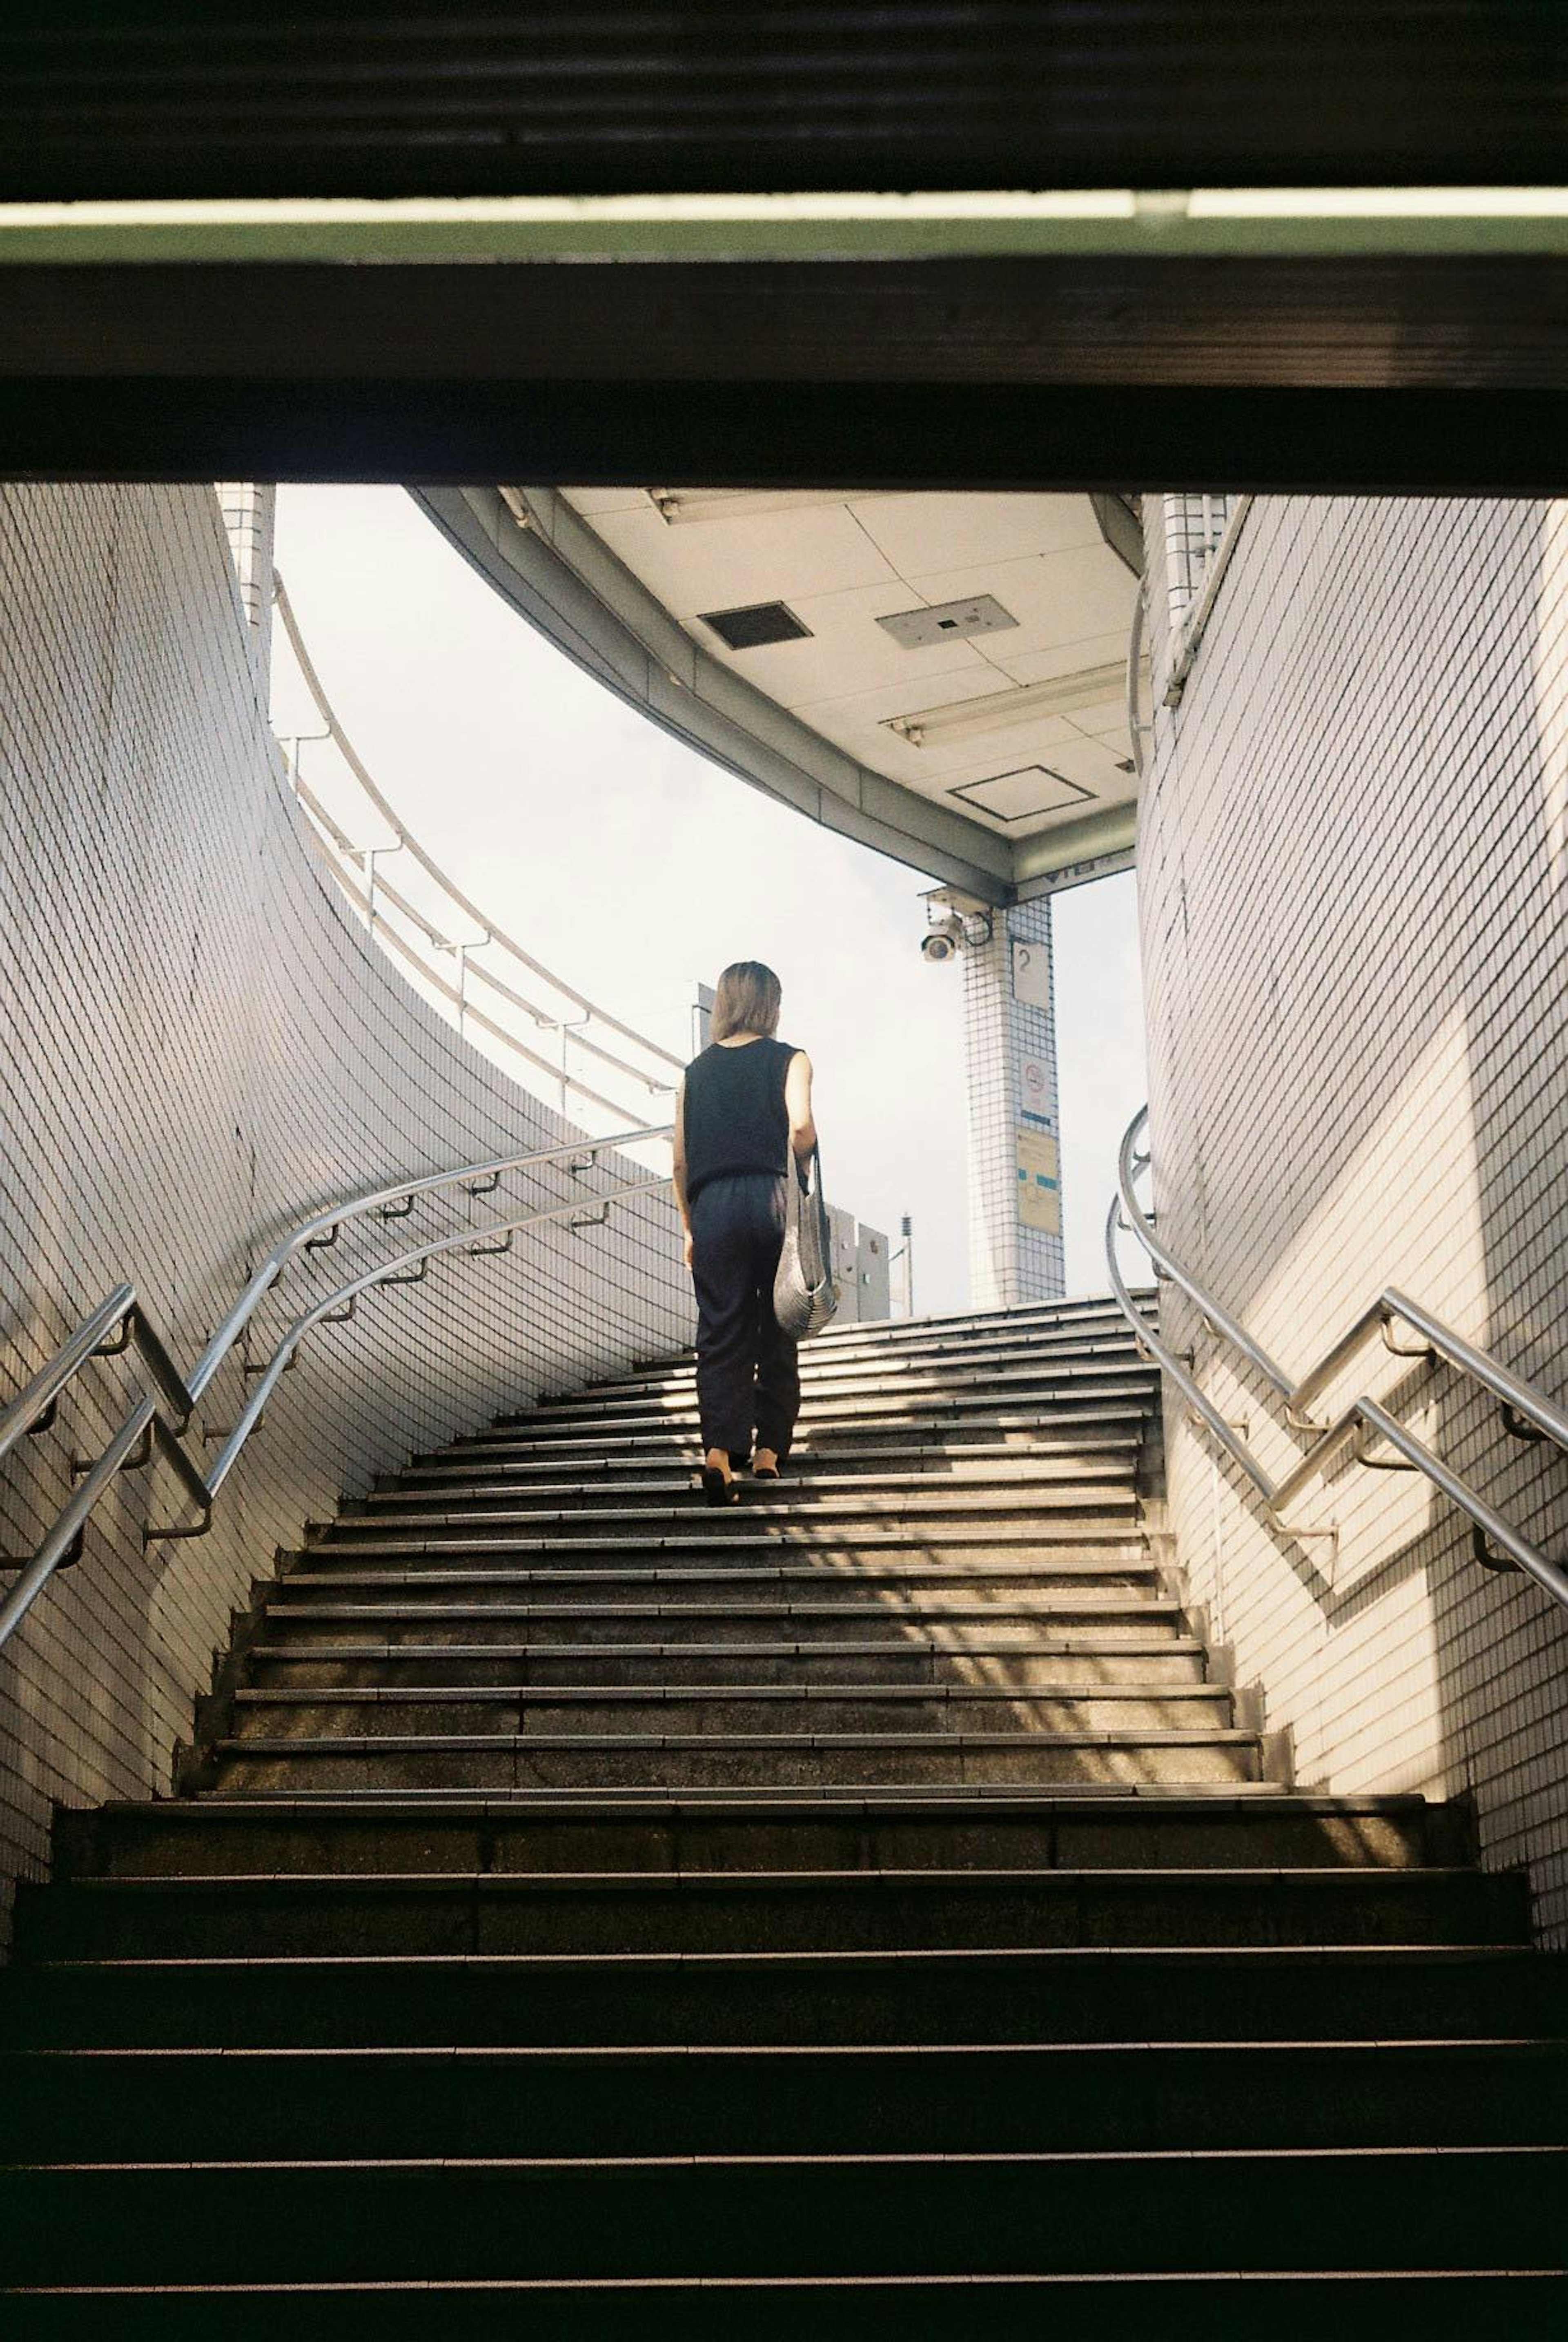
<point x="1487" y="1555"/>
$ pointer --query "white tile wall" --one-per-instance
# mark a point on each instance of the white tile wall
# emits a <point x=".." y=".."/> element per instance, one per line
<point x="1353" y="864"/>
<point x="202" y="1046"/>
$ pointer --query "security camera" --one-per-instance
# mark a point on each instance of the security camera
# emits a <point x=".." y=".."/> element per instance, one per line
<point x="942" y="939"/>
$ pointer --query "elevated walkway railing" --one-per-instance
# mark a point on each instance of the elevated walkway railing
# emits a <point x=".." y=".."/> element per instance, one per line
<point x="158" y="1422"/>
<point x="613" y="1056"/>
<point x="1525" y="1412"/>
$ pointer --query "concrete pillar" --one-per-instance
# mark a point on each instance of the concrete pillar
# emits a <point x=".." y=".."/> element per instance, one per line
<point x="1014" y="1129"/>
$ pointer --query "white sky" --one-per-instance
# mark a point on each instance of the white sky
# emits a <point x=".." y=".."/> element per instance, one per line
<point x="631" y="866"/>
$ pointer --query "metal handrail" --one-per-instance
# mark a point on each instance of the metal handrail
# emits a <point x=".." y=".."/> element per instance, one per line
<point x="157" y="1419"/>
<point x="341" y="1304"/>
<point x="1496" y="1544"/>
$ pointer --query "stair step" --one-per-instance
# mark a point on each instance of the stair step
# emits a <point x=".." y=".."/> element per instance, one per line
<point x="1015" y="1479"/>
<point x="831" y="1371"/>
<point x="591" y="2103"/>
<point x="1084" y="1611"/>
<point x="1024" y="1663"/>
<point x="847" y="1462"/>
<point x="950" y="1429"/>
<point x="796" y="1911"/>
<point x="1034" y="1830"/>
<point x="887" y="1338"/>
<point x="1097" y="1585"/>
<point x="1068" y="1506"/>
<point x="827" y="2216"/>
<point x="720" y="1707"/>
<point x="887" y="1391"/>
<point x="1393" y="1991"/>
<point x="1136" y="2306"/>
<point x="953" y="1324"/>
<point x="690" y="1759"/>
<point x="943" y="1337"/>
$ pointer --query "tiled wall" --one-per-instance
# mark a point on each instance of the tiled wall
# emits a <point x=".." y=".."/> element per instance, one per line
<point x="1010" y="1261"/>
<point x="202" y="1046"/>
<point x="1353" y="876"/>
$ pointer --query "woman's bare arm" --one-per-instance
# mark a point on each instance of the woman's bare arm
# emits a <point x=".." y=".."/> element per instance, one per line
<point x="798" y="1102"/>
<point x="681" y="1205"/>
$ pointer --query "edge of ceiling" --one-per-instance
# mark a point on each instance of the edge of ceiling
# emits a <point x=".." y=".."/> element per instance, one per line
<point x="541" y="557"/>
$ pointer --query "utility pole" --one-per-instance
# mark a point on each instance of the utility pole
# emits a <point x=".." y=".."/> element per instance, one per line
<point x="906" y="1254"/>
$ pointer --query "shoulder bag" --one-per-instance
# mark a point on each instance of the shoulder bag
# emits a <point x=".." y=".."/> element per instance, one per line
<point x="804" y="1295"/>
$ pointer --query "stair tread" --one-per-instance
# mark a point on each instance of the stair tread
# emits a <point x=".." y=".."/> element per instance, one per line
<point x="1241" y="1879"/>
<point x="921" y="1803"/>
<point x="1064" y="2157"/>
<point x="576" y="1695"/>
<point x="913" y="1647"/>
<point x="1527" y="2047"/>
<point x="938" y="1743"/>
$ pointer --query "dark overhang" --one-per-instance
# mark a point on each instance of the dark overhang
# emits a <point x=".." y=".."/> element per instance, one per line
<point x="239" y="97"/>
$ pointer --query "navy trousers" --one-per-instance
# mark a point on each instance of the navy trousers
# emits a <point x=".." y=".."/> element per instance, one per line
<point x="748" y="1381"/>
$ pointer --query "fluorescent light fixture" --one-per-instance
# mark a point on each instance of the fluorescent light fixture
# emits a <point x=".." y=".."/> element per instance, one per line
<point x="963" y="719"/>
<point x="679" y="506"/>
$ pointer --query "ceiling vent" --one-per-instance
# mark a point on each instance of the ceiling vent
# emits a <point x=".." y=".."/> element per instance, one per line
<point x="758" y="623"/>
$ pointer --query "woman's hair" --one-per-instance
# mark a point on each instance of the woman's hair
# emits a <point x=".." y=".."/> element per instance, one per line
<point x="747" y="1001"/>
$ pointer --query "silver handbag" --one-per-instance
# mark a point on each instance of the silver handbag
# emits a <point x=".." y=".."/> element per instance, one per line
<point x="804" y="1295"/>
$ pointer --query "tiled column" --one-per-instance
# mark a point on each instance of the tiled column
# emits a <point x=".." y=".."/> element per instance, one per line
<point x="1015" y="1170"/>
<point x="249" y="509"/>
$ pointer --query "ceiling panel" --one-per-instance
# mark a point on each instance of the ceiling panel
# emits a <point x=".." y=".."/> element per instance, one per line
<point x="924" y="535"/>
<point x="768" y="556"/>
<point x="1043" y="665"/>
<point x="594" y="502"/>
<point x="1054" y="596"/>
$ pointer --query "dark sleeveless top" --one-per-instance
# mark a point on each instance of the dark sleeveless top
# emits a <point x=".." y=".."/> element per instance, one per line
<point x="733" y="1116"/>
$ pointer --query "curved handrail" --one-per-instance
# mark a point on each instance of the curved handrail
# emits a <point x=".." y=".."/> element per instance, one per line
<point x="323" y="1228"/>
<point x="157" y="1419"/>
<point x="1519" y="1401"/>
<point x="341" y="1303"/>
<point x="333" y="833"/>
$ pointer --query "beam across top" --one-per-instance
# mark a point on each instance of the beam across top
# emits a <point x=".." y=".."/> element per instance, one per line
<point x="237" y="98"/>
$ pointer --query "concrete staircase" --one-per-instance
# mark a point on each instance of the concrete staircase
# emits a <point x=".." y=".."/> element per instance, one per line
<point x="860" y="1907"/>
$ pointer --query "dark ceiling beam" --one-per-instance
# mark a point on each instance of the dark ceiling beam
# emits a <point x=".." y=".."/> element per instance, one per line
<point x="1136" y="373"/>
<point x="1341" y="322"/>
<point x="138" y="98"/>
<point x="1507" y="443"/>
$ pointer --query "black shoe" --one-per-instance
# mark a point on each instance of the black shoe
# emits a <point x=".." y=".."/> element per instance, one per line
<point x="716" y="1489"/>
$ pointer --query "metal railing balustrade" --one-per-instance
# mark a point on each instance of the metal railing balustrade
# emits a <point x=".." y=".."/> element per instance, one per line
<point x="158" y="1421"/>
<point x="1525" y="1412"/>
